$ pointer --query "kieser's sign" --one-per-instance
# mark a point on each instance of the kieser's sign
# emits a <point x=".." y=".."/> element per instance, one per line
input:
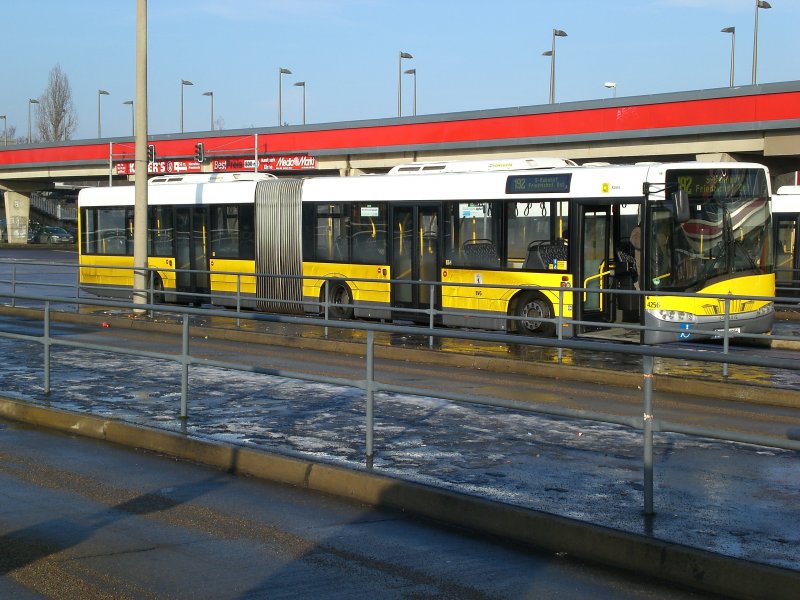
<point x="160" y="167"/>
<point x="267" y="163"/>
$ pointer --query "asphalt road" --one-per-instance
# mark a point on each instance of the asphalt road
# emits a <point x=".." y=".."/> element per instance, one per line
<point x="81" y="519"/>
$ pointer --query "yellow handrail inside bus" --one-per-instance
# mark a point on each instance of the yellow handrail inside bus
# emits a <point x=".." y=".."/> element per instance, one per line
<point x="601" y="274"/>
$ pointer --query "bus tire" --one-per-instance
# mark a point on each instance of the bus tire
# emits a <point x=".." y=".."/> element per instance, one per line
<point x="530" y="309"/>
<point x="340" y="301"/>
<point x="158" y="291"/>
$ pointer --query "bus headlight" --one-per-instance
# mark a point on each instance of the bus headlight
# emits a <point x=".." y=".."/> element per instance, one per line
<point x="767" y="309"/>
<point x="676" y="316"/>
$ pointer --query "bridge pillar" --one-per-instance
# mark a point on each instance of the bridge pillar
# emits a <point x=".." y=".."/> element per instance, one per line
<point x="18" y="209"/>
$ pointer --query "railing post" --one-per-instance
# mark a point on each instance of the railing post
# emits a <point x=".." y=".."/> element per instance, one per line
<point x="47" y="347"/>
<point x="238" y="299"/>
<point x="560" y="324"/>
<point x="370" y="395"/>
<point x="647" y="426"/>
<point x="430" y="318"/>
<point x="152" y="291"/>
<point x="185" y="369"/>
<point x="78" y="289"/>
<point x="725" y="340"/>
<point x="325" y="304"/>
<point x="13" y="285"/>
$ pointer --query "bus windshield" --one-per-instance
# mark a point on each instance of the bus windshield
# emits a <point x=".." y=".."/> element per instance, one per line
<point x="728" y="233"/>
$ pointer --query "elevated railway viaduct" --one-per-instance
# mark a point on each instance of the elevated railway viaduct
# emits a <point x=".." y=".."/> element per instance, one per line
<point x="754" y="123"/>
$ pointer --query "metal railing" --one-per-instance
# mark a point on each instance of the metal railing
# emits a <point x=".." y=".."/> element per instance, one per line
<point x="53" y="208"/>
<point x="431" y="313"/>
<point x="648" y="423"/>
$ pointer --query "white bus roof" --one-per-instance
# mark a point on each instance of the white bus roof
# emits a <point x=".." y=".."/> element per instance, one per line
<point x="612" y="181"/>
<point x="470" y="166"/>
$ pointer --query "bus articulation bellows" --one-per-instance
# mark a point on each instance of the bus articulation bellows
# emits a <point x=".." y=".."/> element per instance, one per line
<point x="496" y="245"/>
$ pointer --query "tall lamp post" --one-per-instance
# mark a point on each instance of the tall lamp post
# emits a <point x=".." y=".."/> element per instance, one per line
<point x="99" y="93"/>
<point x="30" y="101"/>
<point x="759" y="4"/>
<point x="184" y="82"/>
<point x="302" y="84"/>
<point x="133" y="121"/>
<point x="612" y="85"/>
<point x="212" y="107"/>
<point x="732" y="31"/>
<point x="281" y="72"/>
<point x="400" y="82"/>
<point x="552" y="54"/>
<point x="413" y="72"/>
<point x="5" y="130"/>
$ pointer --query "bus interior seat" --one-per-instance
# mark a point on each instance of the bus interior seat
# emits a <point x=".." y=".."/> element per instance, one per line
<point x="543" y="253"/>
<point x="480" y="253"/>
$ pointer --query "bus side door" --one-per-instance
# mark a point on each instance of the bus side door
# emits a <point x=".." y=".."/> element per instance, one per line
<point x="191" y="256"/>
<point x="415" y="256"/>
<point x="787" y="254"/>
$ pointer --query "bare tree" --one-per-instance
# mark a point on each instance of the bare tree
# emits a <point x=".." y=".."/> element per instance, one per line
<point x="56" y="118"/>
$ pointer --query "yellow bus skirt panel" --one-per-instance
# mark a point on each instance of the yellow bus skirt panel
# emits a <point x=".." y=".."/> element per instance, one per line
<point x="473" y="295"/>
<point x="224" y="276"/>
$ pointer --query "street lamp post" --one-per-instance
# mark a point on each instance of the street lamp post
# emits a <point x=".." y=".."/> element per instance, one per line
<point x="302" y="84"/>
<point x="133" y="122"/>
<point x="400" y="82"/>
<point x="30" y="101"/>
<point x="414" y="73"/>
<point x="99" y="93"/>
<point x="759" y="4"/>
<point x="184" y="82"/>
<point x="212" y="107"/>
<point x="5" y="130"/>
<point x="612" y="85"/>
<point x="281" y="72"/>
<point x="552" y="54"/>
<point x="732" y="31"/>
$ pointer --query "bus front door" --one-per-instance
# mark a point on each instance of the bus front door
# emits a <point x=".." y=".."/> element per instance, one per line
<point x="595" y="264"/>
<point x="415" y="259"/>
<point x="191" y="259"/>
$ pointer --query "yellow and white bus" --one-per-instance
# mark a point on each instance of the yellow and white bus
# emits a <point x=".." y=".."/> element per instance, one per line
<point x="485" y="240"/>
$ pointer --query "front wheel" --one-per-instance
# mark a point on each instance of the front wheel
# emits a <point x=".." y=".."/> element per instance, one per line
<point x="531" y="309"/>
<point x="340" y="301"/>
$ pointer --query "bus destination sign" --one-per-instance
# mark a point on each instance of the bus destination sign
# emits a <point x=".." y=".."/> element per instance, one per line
<point x="557" y="183"/>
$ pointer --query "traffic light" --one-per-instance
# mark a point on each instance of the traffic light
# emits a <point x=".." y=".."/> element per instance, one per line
<point x="151" y="153"/>
<point x="199" y="154"/>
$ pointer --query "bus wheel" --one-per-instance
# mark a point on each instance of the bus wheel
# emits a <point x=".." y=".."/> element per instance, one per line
<point x="158" y="291"/>
<point x="531" y="308"/>
<point x="340" y="300"/>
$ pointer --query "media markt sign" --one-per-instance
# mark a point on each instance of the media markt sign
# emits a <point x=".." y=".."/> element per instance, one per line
<point x="266" y="163"/>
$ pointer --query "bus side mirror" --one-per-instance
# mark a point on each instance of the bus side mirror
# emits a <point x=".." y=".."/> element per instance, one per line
<point x="680" y="206"/>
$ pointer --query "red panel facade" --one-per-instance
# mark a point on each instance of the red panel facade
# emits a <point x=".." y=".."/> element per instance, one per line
<point x="736" y="110"/>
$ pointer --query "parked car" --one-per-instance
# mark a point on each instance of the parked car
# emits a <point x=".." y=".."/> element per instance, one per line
<point x="55" y="235"/>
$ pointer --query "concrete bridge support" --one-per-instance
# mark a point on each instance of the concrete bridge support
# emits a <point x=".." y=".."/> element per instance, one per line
<point x="18" y="208"/>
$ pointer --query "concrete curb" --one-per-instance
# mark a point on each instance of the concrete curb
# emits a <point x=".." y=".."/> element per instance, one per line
<point x="718" y="390"/>
<point x="696" y="569"/>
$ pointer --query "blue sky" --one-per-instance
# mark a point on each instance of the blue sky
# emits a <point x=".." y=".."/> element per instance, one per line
<point x="469" y="55"/>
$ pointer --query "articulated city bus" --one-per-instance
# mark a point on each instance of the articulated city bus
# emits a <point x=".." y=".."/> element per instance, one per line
<point x="496" y="245"/>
